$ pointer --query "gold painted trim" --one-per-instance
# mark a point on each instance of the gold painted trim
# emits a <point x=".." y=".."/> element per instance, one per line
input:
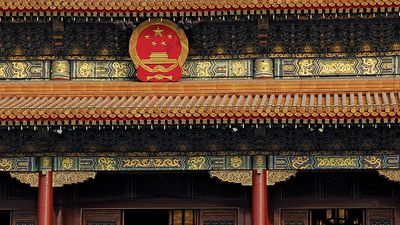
<point x="244" y="177"/>
<point x="276" y="176"/>
<point x="59" y="178"/>
<point x="392" y="175"/>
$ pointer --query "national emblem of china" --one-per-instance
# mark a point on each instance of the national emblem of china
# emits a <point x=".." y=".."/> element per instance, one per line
<point x="158" y="49"/>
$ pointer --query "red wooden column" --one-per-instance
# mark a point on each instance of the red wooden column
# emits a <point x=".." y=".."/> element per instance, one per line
<point x="45" y="193"/>
<point x="259" y="204"/>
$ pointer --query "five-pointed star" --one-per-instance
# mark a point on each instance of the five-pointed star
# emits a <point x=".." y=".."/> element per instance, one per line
<point x="163" y="43"/>
<point x="147" y="37"/>
<point x="153" y="43"/>
<point x="158" y="32"/>
<point x="169" y="36"/>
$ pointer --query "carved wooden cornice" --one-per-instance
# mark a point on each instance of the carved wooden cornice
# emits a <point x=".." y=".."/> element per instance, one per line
<point x="59" y="178"/>
<point x="392" y="175"/>
<point x="244" y="177"/>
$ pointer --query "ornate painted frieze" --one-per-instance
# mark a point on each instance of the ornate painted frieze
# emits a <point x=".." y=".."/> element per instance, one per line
<point x="334" y="162"/>
<point x="152" y="163"/>
<point x="102" y="70"/>
<point x="199" y="69"/>
<point x="25" y="70"/>
<point x="18" y="164"/>
<point x="206" y="69"/>
<point x="323" y="67"/>
<point x="216" y="163"/>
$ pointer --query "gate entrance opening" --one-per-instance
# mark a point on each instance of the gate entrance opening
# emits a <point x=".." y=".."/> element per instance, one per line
<point x="337" y="216"/>
<point x="159" y="217"/>
<point x="5" y="217"/>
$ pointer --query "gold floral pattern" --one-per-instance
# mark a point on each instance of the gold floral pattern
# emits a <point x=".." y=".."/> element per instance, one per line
<point x="337" y="162"/>
<point x="67" y="163"/>
<point x="151" y="163"/>
<point x="19" y="69"/>
<point x="59" y="178"/>
<point x="6" y="164"/>
<point x="236" y="162"/>
<point x="244" y="177"/>
<point x="238" y="68"/>
<point x="320" y="67"/>
<point x="106" y="163"/>
<point x="196" y="163"/>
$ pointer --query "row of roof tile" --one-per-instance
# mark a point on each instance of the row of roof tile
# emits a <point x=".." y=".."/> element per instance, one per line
<point x="363" y="99"/>
<point x="298" y="106"/>
<point x="173" y="6"/>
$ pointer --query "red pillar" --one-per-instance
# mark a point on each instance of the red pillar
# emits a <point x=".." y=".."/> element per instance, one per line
<point x="259" y="204"/>
<point x="45" y="199"/>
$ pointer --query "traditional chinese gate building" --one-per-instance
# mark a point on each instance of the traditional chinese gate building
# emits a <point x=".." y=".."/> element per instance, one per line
<point x="287" y="113"/>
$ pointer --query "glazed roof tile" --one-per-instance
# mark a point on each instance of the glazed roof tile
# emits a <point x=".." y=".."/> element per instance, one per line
<point x="185" y="6"/>
<point x="258" y="100"/>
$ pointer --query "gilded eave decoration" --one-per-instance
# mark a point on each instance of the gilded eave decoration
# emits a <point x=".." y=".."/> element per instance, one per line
<point x="59" y="178"/>
<point x="244" y="177"/>
<point x="392" y="175"/>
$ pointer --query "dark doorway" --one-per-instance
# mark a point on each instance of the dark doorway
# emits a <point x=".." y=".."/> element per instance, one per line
<point x="159" y="217"/>
<point x="337" y="217"/>
<point x="146" y="217"/>
<point x="5" y="218"/>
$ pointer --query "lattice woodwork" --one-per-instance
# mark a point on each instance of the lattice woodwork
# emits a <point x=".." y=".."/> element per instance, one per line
<point x="337" y="185"/>
<point x="373" y="186"/>
<point x="100" y="222"/>
<point x="205" y="187"/>
<point x="161" y="186"/>
<point x="102" y="217"/>
<point x="380" y="217"/>
<point x="218" y="217"/>
<point x="355" y="185"/>
<point x="219" y="222"/>
<point x="301" y="186"/>
<point x="15" y="190"/>
<point x="380" y="222"/>
<point x="113" y="186"/>
<point x="23" y="218"/>
<point x="294" y="217"/>
<point x="294" y="222"/>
